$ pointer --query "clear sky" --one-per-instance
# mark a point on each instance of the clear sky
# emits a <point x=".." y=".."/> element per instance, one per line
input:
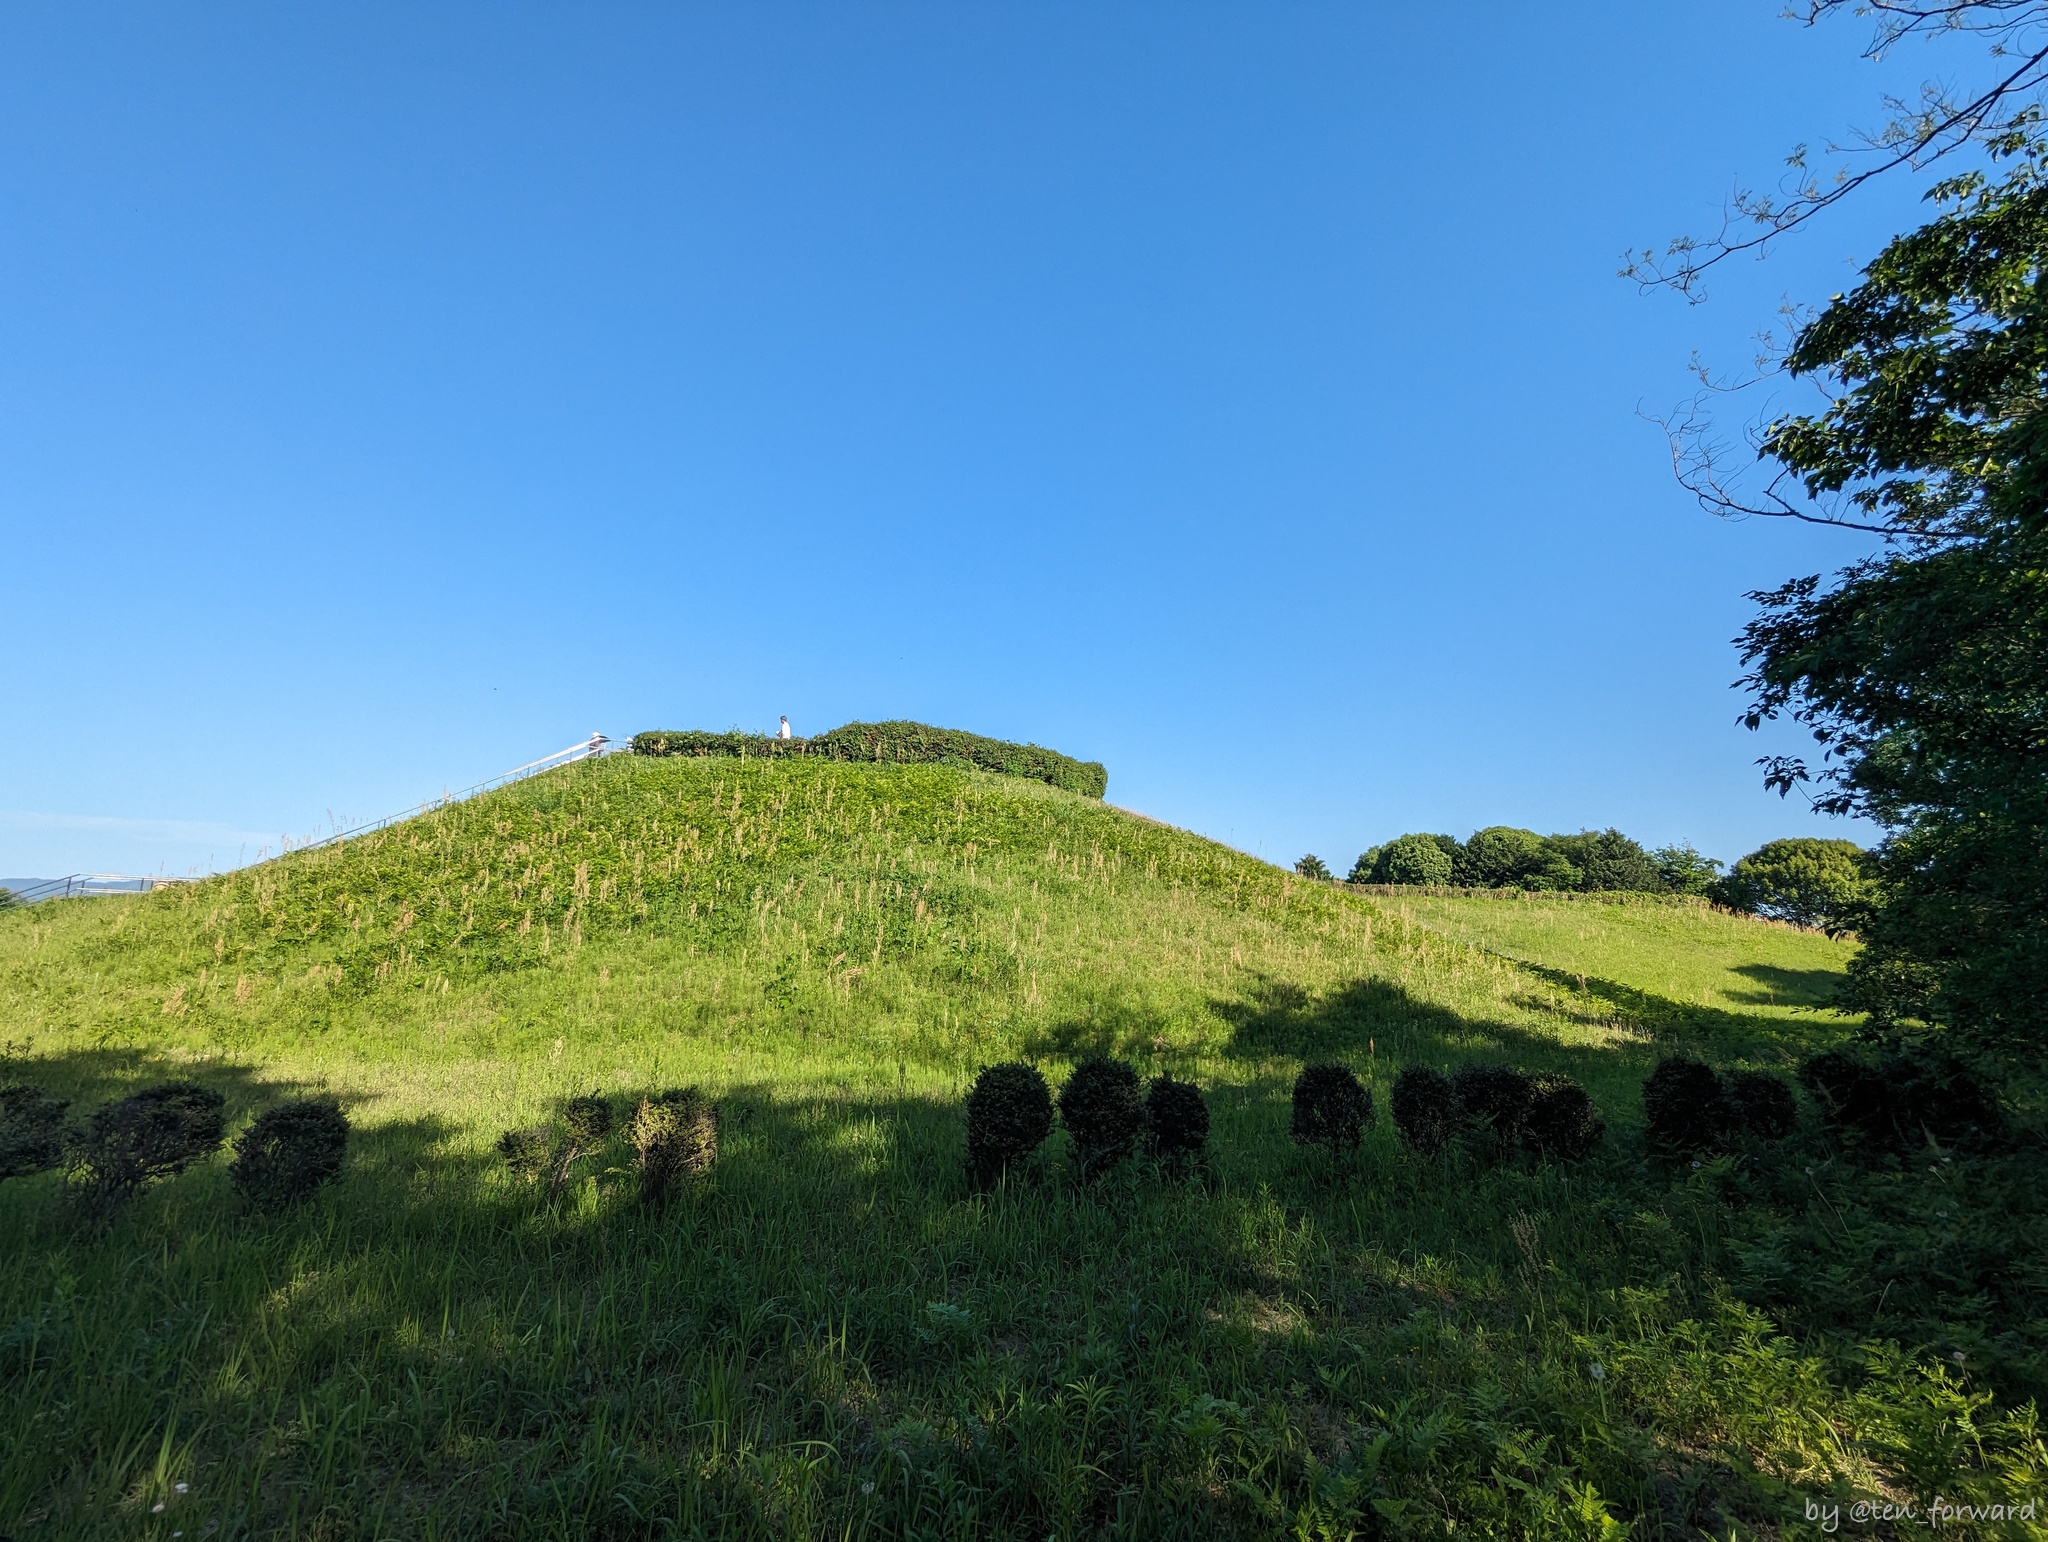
<point x="1239" y="395"/>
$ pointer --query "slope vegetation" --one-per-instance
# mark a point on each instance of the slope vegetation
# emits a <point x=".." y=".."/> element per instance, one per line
<point x="835" y="1334"/>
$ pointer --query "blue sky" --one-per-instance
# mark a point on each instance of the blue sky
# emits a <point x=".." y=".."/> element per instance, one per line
<point x="1239" y="395"/>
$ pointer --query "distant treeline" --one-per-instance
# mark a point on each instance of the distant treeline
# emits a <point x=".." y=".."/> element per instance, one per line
<point x="900" y="743"/>
<point x="1808" y="881"/>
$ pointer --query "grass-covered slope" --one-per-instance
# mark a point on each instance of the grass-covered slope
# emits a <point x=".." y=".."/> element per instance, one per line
<point x="836" y="1336"/>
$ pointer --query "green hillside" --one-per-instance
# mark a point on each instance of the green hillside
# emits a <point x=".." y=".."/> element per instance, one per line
<point x="835" y="1336"/>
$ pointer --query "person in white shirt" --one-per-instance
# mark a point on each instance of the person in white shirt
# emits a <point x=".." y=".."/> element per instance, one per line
<point x="783" y="732"/>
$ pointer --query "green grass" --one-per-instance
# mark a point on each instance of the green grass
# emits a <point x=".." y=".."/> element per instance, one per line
<point x="835" y="1337"/>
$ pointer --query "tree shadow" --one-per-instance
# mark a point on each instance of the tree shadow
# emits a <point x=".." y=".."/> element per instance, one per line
<point x="1629" y="1029"/>
<point x="1789" y="987"/>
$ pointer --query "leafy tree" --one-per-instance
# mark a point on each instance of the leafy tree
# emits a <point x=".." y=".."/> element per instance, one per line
<point x="1312" y="866"/>
<point x="1608" y="860"/>
<point x="1684" y="870"/>
<point x="1413" y="859"/>
<point x="1923" y="671"/>
<point x="1503" y="857"/>
<point x="1806" y="880"/>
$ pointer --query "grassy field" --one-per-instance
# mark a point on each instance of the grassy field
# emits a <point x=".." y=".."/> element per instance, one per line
<point x="835" y="1337"/>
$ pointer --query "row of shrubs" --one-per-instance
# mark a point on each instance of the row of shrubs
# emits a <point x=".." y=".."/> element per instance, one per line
<point x="899" y="743"/>
<point x="1110" y="1115"/>
<point x="1886" y="1105"/>
<point x="1690" y="1110"/>
<point x="673" y="1134"/>
<point x="286" y="1153"/>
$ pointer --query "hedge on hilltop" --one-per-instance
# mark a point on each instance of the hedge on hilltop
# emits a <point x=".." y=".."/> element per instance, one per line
<point x="895" y="743"/>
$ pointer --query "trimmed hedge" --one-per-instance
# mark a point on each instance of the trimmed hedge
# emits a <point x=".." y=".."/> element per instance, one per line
<point x="1332" y="1107"/>
<point x="1104" y="1112"/>
<point x="1426" y="1109"/>
<point x="289" y="1152"/>
<point x="893" y="743"/>
<point x="155" y="1133"/>
<point x="1009" y="1115"/>
<point x="1176" y="1121"/>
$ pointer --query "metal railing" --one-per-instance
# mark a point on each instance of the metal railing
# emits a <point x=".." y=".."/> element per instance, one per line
<point x="77" y="884"/>
<point x="595" y="745"/>
<point x="91" y="883"/>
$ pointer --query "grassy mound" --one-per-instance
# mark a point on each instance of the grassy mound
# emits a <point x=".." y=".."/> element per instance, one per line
<point x="835" y="1331"/>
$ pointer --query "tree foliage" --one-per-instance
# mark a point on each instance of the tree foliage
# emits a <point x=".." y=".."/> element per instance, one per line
<point x="1922" y="672"/>
<point x="1805" y="880"/>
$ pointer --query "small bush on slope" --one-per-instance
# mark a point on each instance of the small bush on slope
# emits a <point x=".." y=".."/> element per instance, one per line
<point x="289" y="1151"/>
<point x="1494" y="1103"/>
<point x="1332" y="1108"/>
<point x="1009" y="1115"/>
<point x="1561" y="1121"/>
<point x="1425" y="1108"/>
<point x="1103" y="1112"/>
<point x="1176" y="1121"/>
<point x="675" y="1138"/>
<point x="31" y="1131"/>
<point x="1686" y="1111"/>
<point x="155" y="1133"/>
<point x="1763" y="1103"/>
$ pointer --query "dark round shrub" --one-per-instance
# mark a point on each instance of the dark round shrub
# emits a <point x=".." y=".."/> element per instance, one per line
<point x="1494" y="1101"/>
<point x="1009" y="1115"/>
<point x="1425" y="1108"/>
<point x="1312" y="866"/>
<point x="1176" y="1120"/>
<point x="529" y="1152"/>
<point x="1854" y="1099"/>
<point x="675" y="1138"/>
<point x="31" y="1131"/>
<point x="289" y="1152"/>
<point x="589" y="1120"/>
<point x="1686" y="1109"/>
<point x="1939" y="1097"/>
<point x="1903" y="1101"/>
<point x="1332" y="1107"/>
<point x="1103" y="1112"/>
<point x="154" y="1133"/>
<point x="1763" y="1103"/>
<point x="1561" y="1123"/>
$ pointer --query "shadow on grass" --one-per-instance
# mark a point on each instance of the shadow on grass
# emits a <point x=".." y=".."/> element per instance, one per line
<point x="1789" y="987"/>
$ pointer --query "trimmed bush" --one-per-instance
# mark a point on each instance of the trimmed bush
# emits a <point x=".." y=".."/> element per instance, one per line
<point x="31" y="1131"/>
<point x="289" y="1152"/>
<point x="1009" y="1115"/>
<point x="1176" y="1121"/>
<point x="1103" y="1112"/>
<point x="1425" y="1108"/>
<point x="1763" y="1104"/>
<point x="1494" y="1101"/>
<point x="1686" y="1110"/>
<point x="1332" y="1107"/>
<point x="529" y="1152"/>
<point x="1561" y="1122"/>
<point x="675" y="1138"/>
<point x="1312" y="866"/>
<point x="894" y="743"/>
<point x="155" y="1133"/>
<point x="589" y="1120"/>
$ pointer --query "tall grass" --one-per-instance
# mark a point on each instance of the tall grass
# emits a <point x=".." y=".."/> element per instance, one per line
<point x="835" y="1335"/>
